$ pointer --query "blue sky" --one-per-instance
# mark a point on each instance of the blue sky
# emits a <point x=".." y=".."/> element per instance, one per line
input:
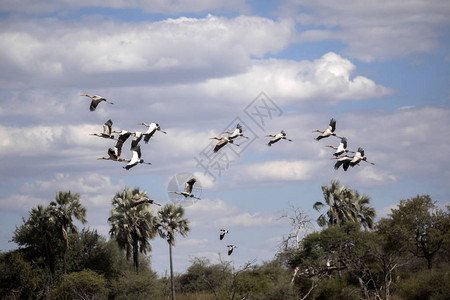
<point x="197" y="67"/>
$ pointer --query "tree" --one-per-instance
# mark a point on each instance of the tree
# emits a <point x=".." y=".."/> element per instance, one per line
<point x="66" y="206"/>
<point x="38" y="235"/>
<point x="344" y="205"/>
<point x="170" y="221"/>
<point x="132" y="226"/>
<point x="419" y="225"/>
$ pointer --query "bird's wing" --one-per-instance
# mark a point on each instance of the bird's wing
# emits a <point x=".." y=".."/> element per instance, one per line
<point x="112" y="154"/>
<point x="94" y="103"/>
<point x="107" y="128"/>
<point x="189" y="184"/>
<point x="220" y="144"/>
<point x="332" y="125"/>
<point x="148" y="135"/>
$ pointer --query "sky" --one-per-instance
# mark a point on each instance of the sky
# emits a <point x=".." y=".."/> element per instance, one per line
<point x="197" y="68"/>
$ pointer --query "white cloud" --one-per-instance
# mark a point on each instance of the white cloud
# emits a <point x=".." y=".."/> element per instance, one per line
<point x="274" y="171"/>
<point x="55" y="52"/>
<point x="217" y="213"/>
<point x="329" y="77"/>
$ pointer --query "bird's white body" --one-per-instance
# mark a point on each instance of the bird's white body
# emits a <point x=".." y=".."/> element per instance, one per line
<point x="152" y="128"/>
<point x="277" y="137"/>
<point x="187" y="193"/>
<point x="95" y="100"/>
<point x="222" y="233"/>
<point x="237" y="132"/>
<point x="230" y="249"/>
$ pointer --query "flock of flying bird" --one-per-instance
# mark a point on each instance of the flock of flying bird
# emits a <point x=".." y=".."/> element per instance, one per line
<point x="114" y="153"/>
<point x="343" y="160"/>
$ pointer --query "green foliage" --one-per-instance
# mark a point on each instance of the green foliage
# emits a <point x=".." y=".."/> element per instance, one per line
<point x="419" y="227"/>
<point x="344" y="205"/>
<point x="85" y="284"/>
<point x="171" y="221"/>
<point x="425" y="284"/>
<point x="18" y="278"/>
<point x="39" y="236"/>
<point x="132" y="285"/>
<point x="90" y="250"/>
<point x="335" y="289"/>
<point x="132" y="226"/>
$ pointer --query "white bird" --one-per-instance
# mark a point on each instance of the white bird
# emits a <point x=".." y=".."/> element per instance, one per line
<point x="137" y="138"/>
<point x="143" y="200"/>
<point x="359" y="156"/>
<point x="236" y="132"/>
<point x="135" y="159"/>
<point x="222" y="233"/>
<point x="343" y="161"/>
<point x="123" y="136"/>
<point x="222" y="142"/>
<point x="152" y="128"/>
<point x="329" y="131"/>
<point x="112" y="155"/>
<point x="188" y="189"/>
<point x="96" y="99"/>
<point x="341" y="148"/>
<point x="277" y="137"/>
<point x="107" y="133"/>
<point x="230" y="249"/>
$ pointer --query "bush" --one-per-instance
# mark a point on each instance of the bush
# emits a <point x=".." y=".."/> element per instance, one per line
<point x="426" y="284"/>
<point x="85" y="284"/>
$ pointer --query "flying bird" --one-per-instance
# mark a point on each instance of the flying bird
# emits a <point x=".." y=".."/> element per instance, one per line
<point x="230" y="249"/>
<point x="277" y="137"/>
<point x="112" y="155"/>
<point x="222" y="142"/>
<point x="152" y="128"/>
<point x="329" y="131"/>
<point x="343" y="161"/>
<point x="135" y="159"/>
<point x="137" y="138"/>
<point x="96" y="99"/>
<point x="359" y="156"/>
<point x="341" y="148"/>
<point x="143" y="200"/>
<point x="236" y="132"/>
<point x="222" y="233"/>
<point x="188" y="189"/>
<point x="123" y="136"/>
<point x="107" y="133"/>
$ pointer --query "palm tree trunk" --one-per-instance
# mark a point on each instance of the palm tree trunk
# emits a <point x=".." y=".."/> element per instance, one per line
<point x="65" y="259"/>
<point x="171" y="272"/>
<point x="136" y="256"/>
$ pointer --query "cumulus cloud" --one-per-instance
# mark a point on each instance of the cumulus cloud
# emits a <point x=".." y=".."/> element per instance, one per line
<point x="142" y="53"/>
<point x="330" y="78"/>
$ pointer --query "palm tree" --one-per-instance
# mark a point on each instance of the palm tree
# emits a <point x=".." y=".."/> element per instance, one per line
<point x="344" y="205"/>
<point x="132" y="226"/>
<point x="66" y="206"/>
<point x="170" y="221"/>
<point x="363" y="214"/>
<point x="337" y="199"/>
<point x="38" y="232"/>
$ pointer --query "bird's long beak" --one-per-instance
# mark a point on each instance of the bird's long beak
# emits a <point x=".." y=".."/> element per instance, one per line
<point x="85" y="95"/>
<point x="140" y="123"/>
<point x="163" y="131"/>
